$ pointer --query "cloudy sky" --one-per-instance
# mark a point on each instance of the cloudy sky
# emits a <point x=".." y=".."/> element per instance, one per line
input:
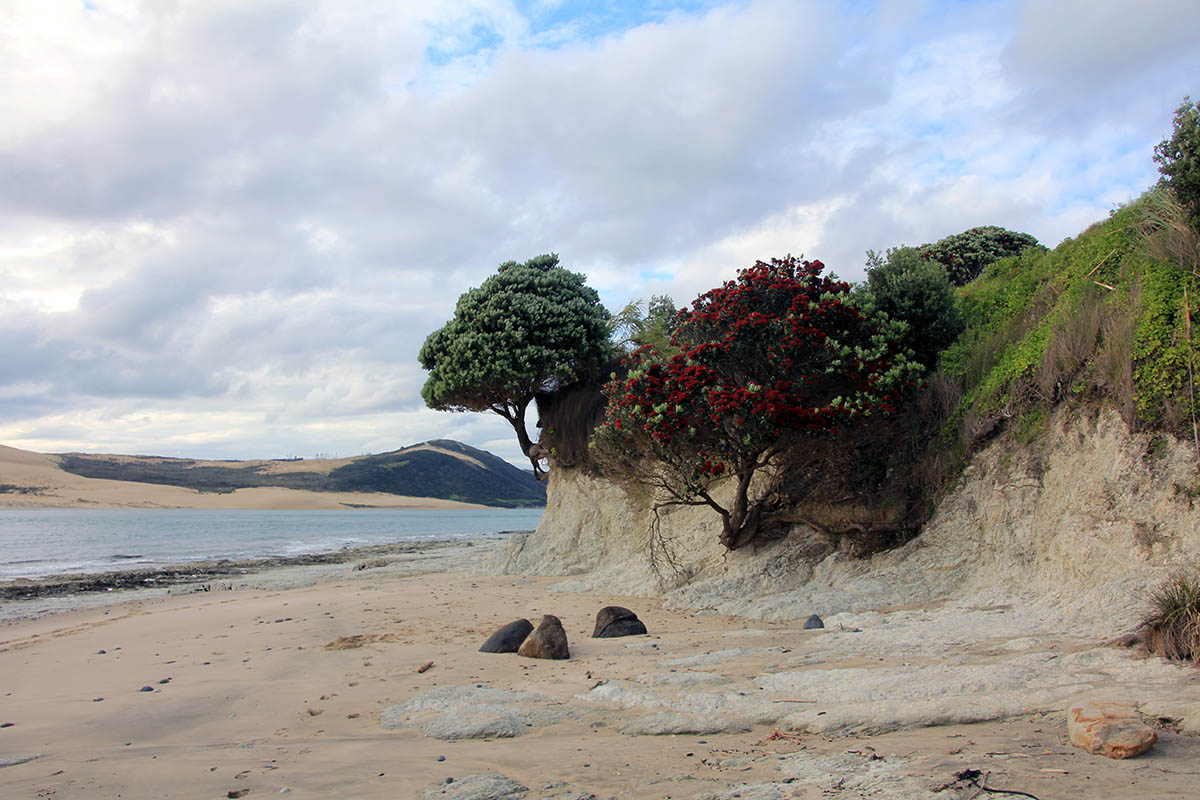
<point x="227" y="226"/>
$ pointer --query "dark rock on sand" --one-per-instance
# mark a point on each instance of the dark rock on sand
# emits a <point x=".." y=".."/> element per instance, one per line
<point x="813" y="622"/>
<point x="614" y="621"/>
<point x="508" y="638"/>
<point x="146" y="689"/>
<point x="548" y="641"/>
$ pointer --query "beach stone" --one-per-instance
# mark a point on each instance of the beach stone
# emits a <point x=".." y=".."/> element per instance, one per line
<point x="1115" y="730"/>
<point x="548" y="641"/>
<point x="614" y="621"/>
<point x="487" y="786"/>
<point x="508" y="638"/>
<point x="813" y="622"/>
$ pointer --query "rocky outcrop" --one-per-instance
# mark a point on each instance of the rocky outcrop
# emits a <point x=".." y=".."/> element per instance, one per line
<point x="1081" y="523"/>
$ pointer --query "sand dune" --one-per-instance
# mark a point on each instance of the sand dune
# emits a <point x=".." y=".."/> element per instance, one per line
<point x="35" y="480"/>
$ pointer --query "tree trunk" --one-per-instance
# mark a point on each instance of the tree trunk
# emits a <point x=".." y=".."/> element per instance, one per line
<point x="740" y="525"/>
<point x="516" y="417"/>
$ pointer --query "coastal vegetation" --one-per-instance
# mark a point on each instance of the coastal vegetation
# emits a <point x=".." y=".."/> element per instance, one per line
<point x="782" y="389"/>
<point x="761" y="365"/>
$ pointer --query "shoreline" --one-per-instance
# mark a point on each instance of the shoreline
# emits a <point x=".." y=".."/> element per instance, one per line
<point x="333" y="680"/>
<point x="31" y="598"/>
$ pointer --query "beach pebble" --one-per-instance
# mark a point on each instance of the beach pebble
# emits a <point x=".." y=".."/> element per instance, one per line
<point x="441" y="758"/>
<point x="813" y="622"/>
<point x="146" y="689"/>
<point x="101" y="652"/>
<point x="6" y="724"/>
<point x="97" y="699"/>
<point x="164" y="681"/>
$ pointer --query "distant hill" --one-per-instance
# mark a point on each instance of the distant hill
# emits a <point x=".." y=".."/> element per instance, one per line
<point x="441" y="469"/>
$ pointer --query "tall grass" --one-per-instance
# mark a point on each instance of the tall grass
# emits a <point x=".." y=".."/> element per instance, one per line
<point x="1172" y="628"/>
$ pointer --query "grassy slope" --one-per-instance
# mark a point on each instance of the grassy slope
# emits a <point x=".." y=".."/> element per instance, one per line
<point x="1097" y="317"/>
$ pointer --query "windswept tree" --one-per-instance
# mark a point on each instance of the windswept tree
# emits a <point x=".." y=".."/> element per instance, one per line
<point x="764" y="363"/>
<point x="529" y="328"/>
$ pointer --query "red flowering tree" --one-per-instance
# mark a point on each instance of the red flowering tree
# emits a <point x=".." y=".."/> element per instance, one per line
<point x="765" y="362"/>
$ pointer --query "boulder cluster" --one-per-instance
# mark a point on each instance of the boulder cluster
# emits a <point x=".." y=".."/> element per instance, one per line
<point x="549" y="640"/>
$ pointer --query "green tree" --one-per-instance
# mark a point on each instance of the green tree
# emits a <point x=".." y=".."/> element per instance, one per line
<point x="632" y="329"/>
<point x="964" y="255"/>
<point x="917" y="294"/>
<point x="1178" y="159"/>
<point x="529" y="328"/>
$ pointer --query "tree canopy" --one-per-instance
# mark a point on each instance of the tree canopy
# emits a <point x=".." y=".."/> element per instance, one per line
<point x="964" y="255"/>
<point x="529" y="328"/>
<point x="915" y="294"/>
<point x="1178" y="159"/>
<point x="763" y="362"/>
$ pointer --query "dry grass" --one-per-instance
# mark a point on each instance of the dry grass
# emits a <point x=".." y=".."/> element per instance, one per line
<point x="1172" y="629"/>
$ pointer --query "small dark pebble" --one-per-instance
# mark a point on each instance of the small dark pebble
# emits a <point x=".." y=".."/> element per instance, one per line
<point x="813" y="622"/>
<point x="6" y="724"/>
<point x="448" y="780"/>
<point x="439" y="758"/>
<point x="97" y="699"/>
<point x="101" y="652"/>
<point x="146" y="689"/>
<point x="164" y="680"/>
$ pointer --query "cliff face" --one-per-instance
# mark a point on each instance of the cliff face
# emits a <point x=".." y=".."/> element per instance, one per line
<point x="1082" y="522"/>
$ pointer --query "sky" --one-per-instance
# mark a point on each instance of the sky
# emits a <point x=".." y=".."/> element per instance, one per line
<point x="227" y="227"/>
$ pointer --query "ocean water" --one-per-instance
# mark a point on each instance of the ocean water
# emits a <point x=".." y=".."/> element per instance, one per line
<point x="40" y="542"/>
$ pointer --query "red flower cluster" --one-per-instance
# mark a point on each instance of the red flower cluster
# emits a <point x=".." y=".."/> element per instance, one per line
<point x="776" y="353"/>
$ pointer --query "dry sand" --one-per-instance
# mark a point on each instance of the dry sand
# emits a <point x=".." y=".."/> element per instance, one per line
<point x="35" y="480"/>
<point x="282" y="685"/>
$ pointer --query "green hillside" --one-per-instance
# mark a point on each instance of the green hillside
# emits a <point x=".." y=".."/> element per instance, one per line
<point x="441" y="469"/>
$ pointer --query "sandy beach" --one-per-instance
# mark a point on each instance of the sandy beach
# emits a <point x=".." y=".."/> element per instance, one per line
<point x="363" y="679"/>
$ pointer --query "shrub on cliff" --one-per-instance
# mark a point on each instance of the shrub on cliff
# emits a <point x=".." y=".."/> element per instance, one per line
<point x="964" y="255"/>
<point x="916" y="293"/>
<point x="764" y="363"/>
<point x="529" y="328"/>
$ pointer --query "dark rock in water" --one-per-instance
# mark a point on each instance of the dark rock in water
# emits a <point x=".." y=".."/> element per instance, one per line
<point x="613" y="621"/>
<point x="548" y="641"/>
<point x="812" y="622"/>
<point x="508" y="639"/>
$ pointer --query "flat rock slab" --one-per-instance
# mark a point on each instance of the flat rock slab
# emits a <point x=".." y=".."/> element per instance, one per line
<point x="488" y="786"/>
<point x="1115" y="730"/>
<point x="473" y="712"/>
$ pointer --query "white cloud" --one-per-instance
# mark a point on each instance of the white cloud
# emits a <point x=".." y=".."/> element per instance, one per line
<point x="228" y="227"/>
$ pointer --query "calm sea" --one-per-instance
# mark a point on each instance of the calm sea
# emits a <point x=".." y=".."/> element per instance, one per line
<point x="39" y="542"/>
